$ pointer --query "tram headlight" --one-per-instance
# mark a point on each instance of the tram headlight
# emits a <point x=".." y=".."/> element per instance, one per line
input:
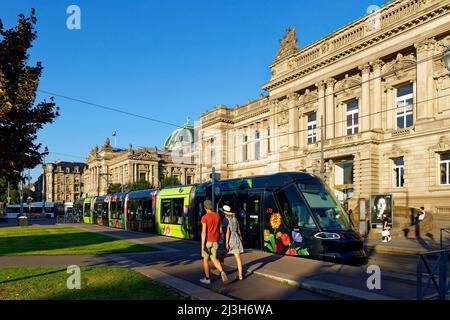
<point x="327" y="236"/>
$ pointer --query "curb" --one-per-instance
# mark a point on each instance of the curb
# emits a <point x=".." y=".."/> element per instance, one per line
<point x="184" y="287"/>
<point x="394" y="250"/>
<point x="333" y="291"/>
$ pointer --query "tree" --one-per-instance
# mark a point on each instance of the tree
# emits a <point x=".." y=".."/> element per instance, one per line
<point x="114" y="188"/>
<point x="141" y="184"/>
<point x="20" y="117"/>
<point x="169" y="181"/>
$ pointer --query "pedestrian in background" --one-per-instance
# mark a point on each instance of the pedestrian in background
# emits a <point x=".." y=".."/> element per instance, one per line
<point x="210" y="242"/>
<point x="233" y="238"/>
<point x="386" y="235"/>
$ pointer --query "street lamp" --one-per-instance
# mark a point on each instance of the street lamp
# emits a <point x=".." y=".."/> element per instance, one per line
<point x="446" y="58"/>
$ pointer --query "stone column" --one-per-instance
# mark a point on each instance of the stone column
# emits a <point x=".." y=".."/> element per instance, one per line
<point x="302" y="128"/>
<point x="425" y="81"/>
<point x="274" y="127"/>
<point x="321" y="110"/>
<point x="364" y="108"/>
<point x="251" y="142"/>
<point x="390" y="112"/>
<point x="376" y="106"/>
<point x="264" y="141"/>
<point x="329" y="110"/>
<point x="156" y="174"/>
<point x="293" y="120"/>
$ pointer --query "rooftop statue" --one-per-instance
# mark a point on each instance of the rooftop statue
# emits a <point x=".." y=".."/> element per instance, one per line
<point x="288" y="44"/>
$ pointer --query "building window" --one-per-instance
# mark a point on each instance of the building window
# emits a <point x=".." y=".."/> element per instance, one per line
<point x="141" y="175"/>
<point x="268" y="140"/>
<point x="352" y="117"/>
<point x="188" y="179"/>
<point x="399" y="172"/>
<point x="77" y="179"/>
<point x="405" y="106"/>
<point x="245" y="148"/>
<point x="257" y="145"/>
<point x="343" y="180"/>
<point x="445" y="168"/>
<point x="312" y="126"/>
<point x="67" y="170"/>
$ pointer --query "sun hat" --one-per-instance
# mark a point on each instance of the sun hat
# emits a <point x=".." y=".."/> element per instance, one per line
<point x="227" y="210"/>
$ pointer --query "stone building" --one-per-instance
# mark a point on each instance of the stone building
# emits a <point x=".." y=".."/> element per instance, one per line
<point x="383" y="93"/>
<point x="62" y="181"/>
<point x="109" y="165"/>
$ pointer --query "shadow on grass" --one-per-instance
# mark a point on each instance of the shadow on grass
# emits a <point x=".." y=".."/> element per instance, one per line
<point x="66" y="243"/>
<point x="32" y="276"/>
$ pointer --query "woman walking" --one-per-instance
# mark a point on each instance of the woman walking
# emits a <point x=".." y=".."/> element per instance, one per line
<point x="233" y="240"/>
<point x="386" y="235"/>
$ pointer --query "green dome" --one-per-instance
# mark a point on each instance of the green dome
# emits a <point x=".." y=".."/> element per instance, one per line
<point x="181" y="136"/>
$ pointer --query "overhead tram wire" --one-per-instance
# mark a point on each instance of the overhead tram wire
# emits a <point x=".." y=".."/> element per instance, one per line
<point x="108" y="108"/>
<point x="278" y="112"/>
<point x="178" y="126"/>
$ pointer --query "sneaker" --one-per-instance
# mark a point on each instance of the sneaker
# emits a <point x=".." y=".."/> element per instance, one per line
<point x="384" y="240"/>
<point x="205" y="281"/>
<point x="224" y="277"/>
<point x="389" y="239"/>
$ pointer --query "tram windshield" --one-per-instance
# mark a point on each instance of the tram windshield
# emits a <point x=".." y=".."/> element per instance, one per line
<point x="328" y="211"/>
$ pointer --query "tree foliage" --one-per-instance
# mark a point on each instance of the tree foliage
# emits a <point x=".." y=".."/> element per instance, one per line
<point x="141" y="184"/>
<point x="20" y="116"/>
<point x="169" y="181"/>
<point x="114" y="188"/>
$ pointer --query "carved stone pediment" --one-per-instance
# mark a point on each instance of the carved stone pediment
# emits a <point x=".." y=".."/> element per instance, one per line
<point x="396" y="152"/>
<point x="144" y="155"/>
<point x="308" y="100"/>
<point x="348" y="85"/>
<point x="399" y="64"/>
<point x="442" y="145"/>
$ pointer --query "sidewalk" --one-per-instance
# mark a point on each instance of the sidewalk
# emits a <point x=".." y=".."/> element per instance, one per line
<point x="326" y="279"/>
<point x="406" y="246"/>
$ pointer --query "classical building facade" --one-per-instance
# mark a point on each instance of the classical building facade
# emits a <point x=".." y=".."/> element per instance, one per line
<point x="382" y="93"/>
<point x="62" y="181"/>
<point x="109" y="165"/>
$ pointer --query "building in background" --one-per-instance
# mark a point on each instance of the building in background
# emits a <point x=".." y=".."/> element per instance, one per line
<point x="382" y="90"/>
<point x="62" y="181"/>
<point x="107" y="165"/>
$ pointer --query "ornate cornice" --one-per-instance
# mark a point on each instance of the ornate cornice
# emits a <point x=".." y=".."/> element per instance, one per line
<point x="397" y="17"/>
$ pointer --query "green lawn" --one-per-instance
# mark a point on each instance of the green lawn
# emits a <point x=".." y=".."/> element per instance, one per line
<point x="56" y="240"/>
<point x="97" y="283"/>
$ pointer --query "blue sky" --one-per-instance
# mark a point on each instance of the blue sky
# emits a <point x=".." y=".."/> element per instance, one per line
<point x="161" y="59"/>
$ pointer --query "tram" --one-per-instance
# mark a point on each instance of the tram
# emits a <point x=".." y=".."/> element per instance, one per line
<point x="292" y="213"/>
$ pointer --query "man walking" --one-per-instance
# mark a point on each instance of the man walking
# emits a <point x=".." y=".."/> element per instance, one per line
<point x="211" y="232"/>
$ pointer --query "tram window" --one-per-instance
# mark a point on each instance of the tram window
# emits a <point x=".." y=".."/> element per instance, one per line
<point x="178" y="210"/>
<point x="294" y="208"/>
<point x="87" y="209"/>
<point x="165" y="210"/>
<point x="172" y="210"/>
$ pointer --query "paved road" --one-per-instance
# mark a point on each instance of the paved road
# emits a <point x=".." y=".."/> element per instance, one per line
<point x="350" y="280"/>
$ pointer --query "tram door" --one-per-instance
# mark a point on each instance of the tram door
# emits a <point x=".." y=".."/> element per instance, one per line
<point x="248" y="214"/>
